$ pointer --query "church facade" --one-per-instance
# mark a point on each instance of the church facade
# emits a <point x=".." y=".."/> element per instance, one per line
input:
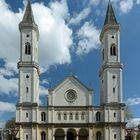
<point x="70" y="114"/>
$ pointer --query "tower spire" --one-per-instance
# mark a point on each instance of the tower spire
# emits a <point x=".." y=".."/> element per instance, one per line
<point x="28" y="16"/>
<point x="110" y="15"/>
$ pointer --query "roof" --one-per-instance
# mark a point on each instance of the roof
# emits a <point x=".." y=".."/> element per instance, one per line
<point x="28" y="16"/>
<point x="110" y="15"/>
<point x="72" y="77"/>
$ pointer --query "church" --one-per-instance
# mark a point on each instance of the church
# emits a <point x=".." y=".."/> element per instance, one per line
<point x="70" y="113"/>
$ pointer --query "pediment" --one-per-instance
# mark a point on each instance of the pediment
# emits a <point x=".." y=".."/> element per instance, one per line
<point x="70" y="92"/>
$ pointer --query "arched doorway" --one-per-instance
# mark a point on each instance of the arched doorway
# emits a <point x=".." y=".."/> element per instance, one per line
<point x="59" y="134"/>
<point x="71" y="134"/>
<point x="98" y="135"/>
<point x="83" y="134"/>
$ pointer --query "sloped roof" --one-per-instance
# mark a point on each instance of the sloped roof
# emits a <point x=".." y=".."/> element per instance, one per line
<point x="28" y="16"/>
<point x="74" y="78"/>
<point x="110" y="15"/>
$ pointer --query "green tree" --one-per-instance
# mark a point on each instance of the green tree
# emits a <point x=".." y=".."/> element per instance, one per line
<point x="9" y="125"/>
<point x="128" y="113"/>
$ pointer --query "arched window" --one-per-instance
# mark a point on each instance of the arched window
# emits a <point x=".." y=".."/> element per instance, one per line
<point x="43" y="136"/>
<point x="98" y="116"/>
<point x="76" y="116"/>
<point x="115" y="114"/>
<point x="82" y="116"/>
<point x="98" y="135"/>
<point x="113" y="50"/>
<point x="71" y="116"/>
<point x="27" y="136"/>
<point x="65" y="116"/>
<point x="115" y="136"/>
<point x="59" y="116"/>
<point x="27" y="48"/>
<point x="43" y="116"/>
<point x="27" y="115"/>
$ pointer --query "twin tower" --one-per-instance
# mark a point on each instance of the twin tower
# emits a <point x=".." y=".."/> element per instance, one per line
<point x="69" y="119"/>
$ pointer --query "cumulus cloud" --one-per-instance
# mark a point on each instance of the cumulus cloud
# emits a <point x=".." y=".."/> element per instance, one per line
<point x="55" y="35"/>
<point x="88" y="36"/>
<point x="43" y="91"/>
<point x="7" y="107"/>
<point x="78" y="17"/>
<point x="133" y="101"/>
<point x="126" y="5"/>
<point x="8" y="86"/>
<point x="133" y="123"/>
<point x="138" y="2"/>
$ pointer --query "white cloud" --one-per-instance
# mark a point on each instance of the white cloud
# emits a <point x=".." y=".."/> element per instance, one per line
<point x="94" y="2"/>
<point x="133" y="123"/>
<point x="7" y="107"/>
<point x="55" y="35"/>
<point x="8" y="86"/>
<point x="80" y="16"/>
<point x="138" y="2"/>
<point x="133" y="101"/>
<point x="126" y="5"/>
<point x="43" y="91"/>
<point x="88" y="36"/>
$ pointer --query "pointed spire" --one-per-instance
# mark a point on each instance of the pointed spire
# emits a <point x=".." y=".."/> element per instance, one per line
<point x="110" y="15"/>
<point x="28" y="16"/>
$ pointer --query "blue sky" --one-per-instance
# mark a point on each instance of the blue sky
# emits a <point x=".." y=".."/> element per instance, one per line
<point x="69" y="43"/>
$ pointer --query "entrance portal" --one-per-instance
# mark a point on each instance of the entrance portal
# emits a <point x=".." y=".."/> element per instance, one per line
<point x="70" y="136"/>
<point x="59" y="134"/>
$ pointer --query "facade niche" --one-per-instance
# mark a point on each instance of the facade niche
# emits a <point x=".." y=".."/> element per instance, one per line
<point x="27" y="48"/>
<point x="113" y="50"/>
<point x="43" y="116"/>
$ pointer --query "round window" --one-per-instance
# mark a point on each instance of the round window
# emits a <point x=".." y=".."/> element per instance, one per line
<point x="71" y="95"/>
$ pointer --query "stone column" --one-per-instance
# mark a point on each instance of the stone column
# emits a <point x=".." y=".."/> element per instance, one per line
<point x="90" y="133"/>
<point x="76" y="137"/>
<point x="134" y="136"/>
<point x="65" y="137"/>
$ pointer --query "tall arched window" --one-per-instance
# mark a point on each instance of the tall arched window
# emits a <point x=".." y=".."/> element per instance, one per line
<point x="98" y="135"/>
<point x="82" y="116"/>
<point x="59" y="116"/>
<point x="113" y="50"/>
<point x="43" y="136"/>
<point x="43" y="116"/>
<point x="27" y="48"/>
<point x="71" y="116"/>
<point x="76" y="116"/>
<point x="65" y="116"/>
<point x="98" y="116"/>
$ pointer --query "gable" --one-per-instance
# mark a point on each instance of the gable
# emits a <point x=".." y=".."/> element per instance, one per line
<point x="70" y="92"/>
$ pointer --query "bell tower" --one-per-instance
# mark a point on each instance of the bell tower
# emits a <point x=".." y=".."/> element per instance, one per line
<point x="111" y="68"/>
<point x="28" y="64"/>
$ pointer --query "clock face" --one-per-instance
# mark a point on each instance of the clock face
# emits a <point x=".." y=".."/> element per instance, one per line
<point x="71" y="95"/>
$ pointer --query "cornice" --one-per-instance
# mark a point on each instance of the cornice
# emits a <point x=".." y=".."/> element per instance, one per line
<point x="26" y="104"/>
<point x="27" y="64"/>
<point x="110" y="65"/>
